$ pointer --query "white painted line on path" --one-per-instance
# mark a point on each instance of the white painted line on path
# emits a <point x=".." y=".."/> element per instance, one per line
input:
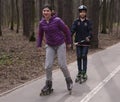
<point x="100" y="85"/>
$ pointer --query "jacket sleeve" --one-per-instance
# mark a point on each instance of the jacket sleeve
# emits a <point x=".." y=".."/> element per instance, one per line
<point x="90" y="27"/>
<point x="73" y="28"/>
<point x="64" y="28"/>
<point x="40" y="36"/>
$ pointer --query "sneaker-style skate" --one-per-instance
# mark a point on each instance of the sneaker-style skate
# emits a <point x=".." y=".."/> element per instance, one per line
<point x="47" y="89"/>
<point x="84" y="78"/>
<point x="78" y="77"/>
<point x="69" y="83"/>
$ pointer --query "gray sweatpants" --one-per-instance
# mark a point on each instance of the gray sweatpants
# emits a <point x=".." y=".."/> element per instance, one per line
<point x="60" y="51"/>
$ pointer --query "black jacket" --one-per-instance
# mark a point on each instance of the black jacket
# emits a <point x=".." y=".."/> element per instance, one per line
<point x="82" y="29"/>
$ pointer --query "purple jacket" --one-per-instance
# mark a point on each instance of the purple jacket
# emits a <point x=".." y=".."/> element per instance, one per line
<point x="56" y="32"/>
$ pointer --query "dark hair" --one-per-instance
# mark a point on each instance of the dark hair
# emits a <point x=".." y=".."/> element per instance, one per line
<point x="47" y="6"/>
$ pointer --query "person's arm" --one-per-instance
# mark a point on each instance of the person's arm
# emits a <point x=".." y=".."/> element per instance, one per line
<point x="73" y="28"/>
<point x="90" y="29"/>
<point x="40" y="36"/>
<point x="64" y="28"/>
<point x="73" y="31"/>
<point x="89" y="37"/>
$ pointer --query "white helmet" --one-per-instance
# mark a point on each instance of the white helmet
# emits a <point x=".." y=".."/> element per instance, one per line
<point x="82" y="7"/>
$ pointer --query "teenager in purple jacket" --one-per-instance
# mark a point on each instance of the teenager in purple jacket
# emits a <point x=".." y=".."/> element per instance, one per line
<point x="56" y="34"/>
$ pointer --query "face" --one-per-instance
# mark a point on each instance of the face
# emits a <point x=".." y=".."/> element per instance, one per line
<point x="83" y="14"/>
<point x="47" y="12"/>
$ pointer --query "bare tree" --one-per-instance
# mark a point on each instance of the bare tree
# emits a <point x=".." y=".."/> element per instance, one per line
<point x="104" y="16"/>
<point x="52" y="2"/>
<point x="94" y="16"/>
<point x="28" y="18"/>
<point x="40" y="8"/>
<point x="0" y="19"/>
<point x="60" y="8"/>
<point x="117" y="19"/>
<point x="111" y="15"/>
<point x="41" y="3"/>
<point x="12" y="15"/>
<point x="18" y="18"/>
<point x="68" y="12"/>
<point x="32" y="33"/>
<point x="66" y="9"/>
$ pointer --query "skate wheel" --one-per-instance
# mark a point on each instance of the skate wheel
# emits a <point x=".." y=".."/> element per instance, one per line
<point x="51" y="90"/>
<point x="76" y="80"/>
<point x="41" y="94"/>
<point x="47" y="93"/>
<point x="80" y="82"/>
<point x="70" y="92"/>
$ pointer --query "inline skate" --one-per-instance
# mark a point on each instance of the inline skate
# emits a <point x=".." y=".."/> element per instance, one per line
<point x="47" y="89"/>
<point x="78" y="77"/>
<point x="69" y="83"/>
<point x="84" y="77"/>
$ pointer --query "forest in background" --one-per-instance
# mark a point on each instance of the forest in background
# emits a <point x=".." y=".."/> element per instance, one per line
<point x="20" y="60"/>
<point x="25" y="15"/>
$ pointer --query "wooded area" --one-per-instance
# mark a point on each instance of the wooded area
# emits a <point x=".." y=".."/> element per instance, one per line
<point x="25" y="14"/>
<point x="21" y="61"/>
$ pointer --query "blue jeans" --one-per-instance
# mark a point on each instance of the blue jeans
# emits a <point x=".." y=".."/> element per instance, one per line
<point x="82" y="52"/>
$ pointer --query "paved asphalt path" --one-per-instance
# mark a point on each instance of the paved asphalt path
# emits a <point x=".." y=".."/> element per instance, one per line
<point x="103" y="84"/>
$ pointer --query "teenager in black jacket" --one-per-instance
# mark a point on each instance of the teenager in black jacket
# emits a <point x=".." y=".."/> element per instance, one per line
<point x="82" y="28"/>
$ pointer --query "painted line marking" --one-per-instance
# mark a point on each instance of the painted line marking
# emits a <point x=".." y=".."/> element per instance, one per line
<point x="100" y="85"/>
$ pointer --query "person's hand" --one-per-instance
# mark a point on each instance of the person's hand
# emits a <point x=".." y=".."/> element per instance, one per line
<point x="87" y="39"/>
<point x="68" y="46"/>
<point x="39" y="49"/>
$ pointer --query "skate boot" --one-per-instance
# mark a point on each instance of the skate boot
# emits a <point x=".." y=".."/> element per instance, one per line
<point x="78" y="77"/>
<point x="47" y="89"/>
<point x="69" y="83"/>
<point x="84" y="77"/>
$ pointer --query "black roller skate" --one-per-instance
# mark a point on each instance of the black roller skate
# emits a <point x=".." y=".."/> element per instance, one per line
<point x="47" y="89"/>
<point x="69" y="83"/>
<point x="78" y="78"/>
<point x="84" y="77"/>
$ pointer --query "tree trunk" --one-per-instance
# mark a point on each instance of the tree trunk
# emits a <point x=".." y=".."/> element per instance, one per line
<point x="52" y="2"/>
<point x="118" y="18"/>
<point x="28" y="19"/>
<point x="94" y="16"/>
<point x="111" y="15"/>
<point x="75" y="8"/>
<point x="12" y="15"/>
<point x="68" y="12"/>
<point x="0" y="19"/>
<point x="60" y="8"/>
<point x="18" y="19"/>
<point x="40" y="8"/>
<point x="104" y="17"/>
<point x="32" y="33"/>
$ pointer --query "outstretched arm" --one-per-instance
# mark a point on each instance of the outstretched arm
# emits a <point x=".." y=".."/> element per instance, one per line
<point x="90" y="29"/>
<point x="73" y="28"/>
<point x="40" y="36"/>
<point x="64" y="28"/>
